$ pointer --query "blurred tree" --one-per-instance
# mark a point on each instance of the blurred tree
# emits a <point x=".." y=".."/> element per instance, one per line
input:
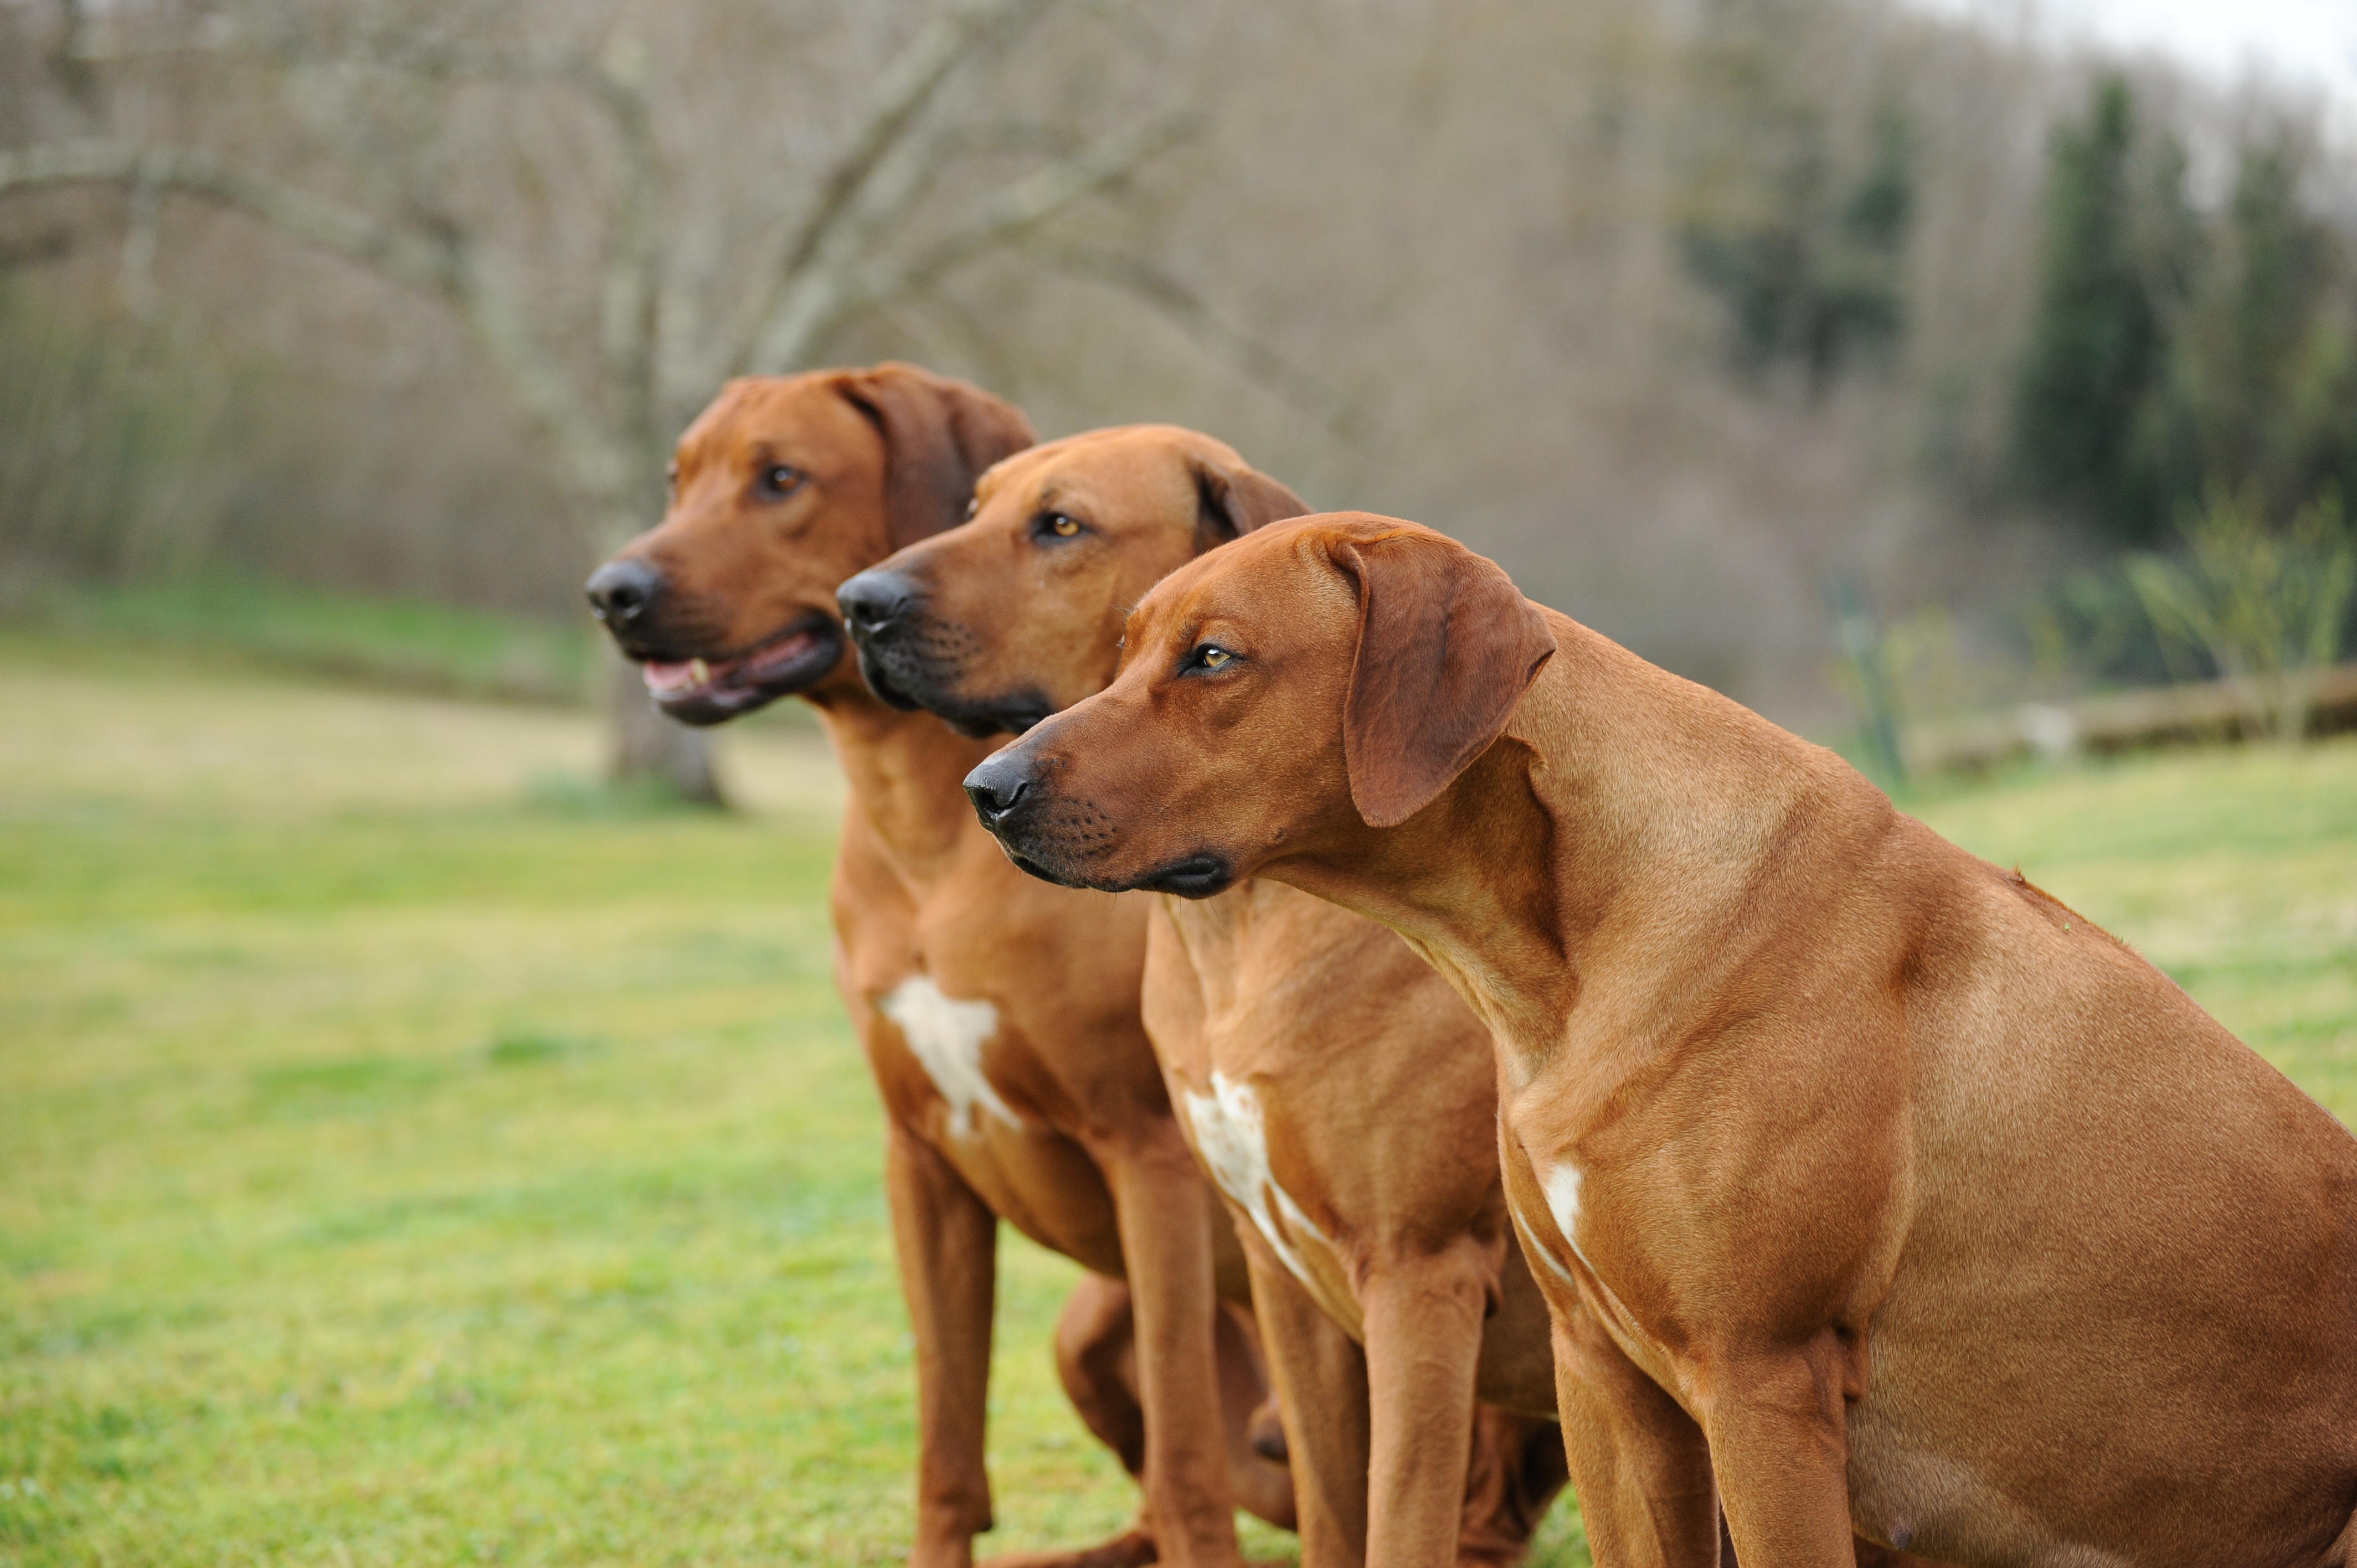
<point x="1809" y="263"/>
<point x="2261" y="389"/>
<point x="2096" y="350"/>
<point x="1467" y="221"/>
<point x="2175" y="357"/>
<point x="410" y="115"/>
<point x="117" y="414"/>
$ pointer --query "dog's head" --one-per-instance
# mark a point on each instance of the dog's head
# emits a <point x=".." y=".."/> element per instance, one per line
<point x="997" y="624"/>
<point x="1275" y="699"/>
<point x="781" y="489"/>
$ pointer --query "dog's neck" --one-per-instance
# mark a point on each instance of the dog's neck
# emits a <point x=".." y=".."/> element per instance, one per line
<point x="1606" y="848"/>
<point x="906" y="776"/>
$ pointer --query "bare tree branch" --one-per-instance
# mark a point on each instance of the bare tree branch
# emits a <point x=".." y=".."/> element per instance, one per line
<point x="824" y="299"/>
<point x="1187" y="310"/>
<point x="827" y="238"/>
<point x="437" y="262"/>
<point x="827" y="298"/>
<point x="407" y="257"/>
<point x="906" y="87"/>
<point x="597" y="463"/>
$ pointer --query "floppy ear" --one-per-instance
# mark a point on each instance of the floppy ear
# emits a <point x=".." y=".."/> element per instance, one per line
<point x="1231" y="502"/>
<point x="939" y="435"/>
<point x="1446" y="647"/>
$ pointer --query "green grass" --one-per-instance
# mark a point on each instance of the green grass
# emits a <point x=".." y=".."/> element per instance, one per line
<point x="2232" y="870"/>
<point x="407" y="1157"/>
<point x="403" y="644"/>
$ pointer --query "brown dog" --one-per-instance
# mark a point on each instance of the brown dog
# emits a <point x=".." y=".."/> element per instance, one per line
<point x="1285" y="1026"/>
<point x="998" y="1016"/>
<point x="1865" y="1176"/>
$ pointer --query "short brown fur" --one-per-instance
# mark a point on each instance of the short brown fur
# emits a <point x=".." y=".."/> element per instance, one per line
<point x="1087" y="1158"/>
<point x="1858" y="1178"/>
<point x="1319" y="1018"/>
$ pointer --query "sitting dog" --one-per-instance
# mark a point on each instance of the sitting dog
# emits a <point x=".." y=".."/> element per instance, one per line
<point x="1862" y="1178"/>
<point x="999" y="1017"/>
<point x="1285" y="1026"/>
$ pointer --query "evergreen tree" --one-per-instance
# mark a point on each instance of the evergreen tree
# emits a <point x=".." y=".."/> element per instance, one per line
<point x="2096" y="349"/>
<point x="1814" y="275"/>
<point x="2253" y="335"/>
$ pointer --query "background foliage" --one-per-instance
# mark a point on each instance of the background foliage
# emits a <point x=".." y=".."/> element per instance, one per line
<point x="1682" y="315"/>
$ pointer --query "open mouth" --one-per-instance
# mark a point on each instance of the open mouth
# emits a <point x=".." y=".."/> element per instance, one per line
<point x="709" y="690"/>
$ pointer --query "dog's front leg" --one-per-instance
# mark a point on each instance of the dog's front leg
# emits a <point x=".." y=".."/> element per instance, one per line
<point x="947" y="1241"/>
<point x="1164" y="1209"/>
<point x="1638" y="1463"/>
<point x="1780" y="1440"/>
<point x="1321" y="1385"/>
<point x="1424" y="1318"/>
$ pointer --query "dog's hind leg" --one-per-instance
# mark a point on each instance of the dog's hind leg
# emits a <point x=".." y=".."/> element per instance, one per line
<point x="1259" y="1448"/>
<point x="1096" y="1358"/>
<point x="1517" y="1467"/>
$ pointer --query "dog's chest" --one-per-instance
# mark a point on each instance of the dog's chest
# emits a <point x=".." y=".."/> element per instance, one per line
<point x="946" y="1035"/>
<point x="1229" y="1127"/>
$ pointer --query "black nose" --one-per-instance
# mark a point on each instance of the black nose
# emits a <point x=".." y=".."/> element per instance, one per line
<point x="620" y="591"/>
<point x="1002" y="783"/>
<point x="872" y="601"/>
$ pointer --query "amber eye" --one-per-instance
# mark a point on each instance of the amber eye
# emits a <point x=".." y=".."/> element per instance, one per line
<point x="1210" y="658"/>
<point x="1062" y="527"/>
<point x="1056" y="525"/>
<point x="779" y="481"/>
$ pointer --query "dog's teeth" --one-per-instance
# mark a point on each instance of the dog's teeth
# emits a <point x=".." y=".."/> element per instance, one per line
<point x="698" y="670"/>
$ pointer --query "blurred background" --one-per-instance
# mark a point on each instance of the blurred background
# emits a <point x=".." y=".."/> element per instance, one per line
<point x="423" y="1138"/>
<point x="1837" y="353"/>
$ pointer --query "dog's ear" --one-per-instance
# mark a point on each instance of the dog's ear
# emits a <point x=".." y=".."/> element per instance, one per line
<point x="1232" y="501"/>
<point x="939" y="436"/>
<point x="1446" y="647"/>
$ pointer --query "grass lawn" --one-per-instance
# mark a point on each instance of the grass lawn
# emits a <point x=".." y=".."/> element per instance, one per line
<point x="407" y="1156"/>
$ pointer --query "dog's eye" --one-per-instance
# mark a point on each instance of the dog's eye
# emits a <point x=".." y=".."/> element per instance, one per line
<point x="973" y="505"/>
<point x="1056" y="525"/>
<point x="1211" y="656"/>
<point x="779" y="481"/>
<point x="671" y="478"/>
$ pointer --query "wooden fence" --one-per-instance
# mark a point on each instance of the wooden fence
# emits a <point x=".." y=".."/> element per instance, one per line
<point x="2208" y="710"/>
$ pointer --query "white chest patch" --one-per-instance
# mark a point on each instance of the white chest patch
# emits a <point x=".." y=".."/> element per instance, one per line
<point x="946" y="1035"/>
<point x="1561" y="1188"/>
<point x="1233" y="1139"/>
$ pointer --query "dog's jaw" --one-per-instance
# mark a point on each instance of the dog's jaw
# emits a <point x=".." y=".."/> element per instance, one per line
<point x="1035" y="849"/>
<point x="913" y="676"/>
<point x="710" y="691"/>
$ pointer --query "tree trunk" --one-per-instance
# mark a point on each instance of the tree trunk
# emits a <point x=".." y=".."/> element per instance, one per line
<point x="648" y="748"/>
